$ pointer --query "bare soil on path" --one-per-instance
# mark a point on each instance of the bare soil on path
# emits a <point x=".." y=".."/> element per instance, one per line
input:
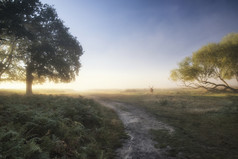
<point x="138" y="124"/>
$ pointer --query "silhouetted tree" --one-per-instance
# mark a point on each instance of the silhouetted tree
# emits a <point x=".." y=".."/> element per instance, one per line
<point x="15" y="19"/>
<point x="41" y="47"/>
<point x="211" y="66"/>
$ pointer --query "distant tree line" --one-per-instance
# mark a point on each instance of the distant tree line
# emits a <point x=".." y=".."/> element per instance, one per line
<point x="211" y="67"/>
<point x="35" y="45"/>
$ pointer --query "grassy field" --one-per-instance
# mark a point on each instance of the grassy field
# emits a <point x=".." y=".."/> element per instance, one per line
<point x="206" y="124"/>
<point x="56" y="126"/>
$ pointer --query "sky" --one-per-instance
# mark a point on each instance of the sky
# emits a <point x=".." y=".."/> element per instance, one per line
<point x="136" y="43"/>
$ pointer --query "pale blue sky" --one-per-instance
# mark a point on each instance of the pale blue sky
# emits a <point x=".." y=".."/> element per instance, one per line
<point x="135" y="43"/>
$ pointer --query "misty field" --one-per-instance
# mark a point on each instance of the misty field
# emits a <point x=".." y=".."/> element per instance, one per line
<point x="206" y="124"/>
<point x="72" y="126"/>
<point x="56" y="126"/>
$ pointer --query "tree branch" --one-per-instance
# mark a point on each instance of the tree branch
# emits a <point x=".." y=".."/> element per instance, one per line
<point x="8" y="62"/>
<point x="207" y="85"/>
<point x="223" y="81"/>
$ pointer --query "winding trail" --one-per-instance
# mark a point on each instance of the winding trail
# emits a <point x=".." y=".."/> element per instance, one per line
<point x="138" y="124"/>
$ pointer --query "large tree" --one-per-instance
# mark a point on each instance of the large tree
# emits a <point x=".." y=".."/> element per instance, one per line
<point x="213" y="67"/>
<point x="41" y="46"/>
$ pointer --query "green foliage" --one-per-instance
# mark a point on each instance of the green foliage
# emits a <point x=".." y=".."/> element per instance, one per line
<point x="215" y="61"/>
<point x="16" y="16"/>
<point x="56" y="127"/>
<point x="187" y="71"/>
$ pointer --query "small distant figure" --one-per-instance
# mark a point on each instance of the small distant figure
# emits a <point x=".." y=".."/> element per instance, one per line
<point x="151" y="90"/>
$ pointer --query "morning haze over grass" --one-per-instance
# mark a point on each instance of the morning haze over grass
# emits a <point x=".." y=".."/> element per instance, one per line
<point x="129" y="46"/>
<point x="205" y="123"/>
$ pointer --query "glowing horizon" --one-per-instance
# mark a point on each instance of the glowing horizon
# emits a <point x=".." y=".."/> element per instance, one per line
<point x="136" y="43"/>
<point x="90" y="84"/>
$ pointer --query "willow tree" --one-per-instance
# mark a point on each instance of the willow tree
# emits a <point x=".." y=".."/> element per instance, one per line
<point x="212" y="67"/>
<point x="44" y="49"/>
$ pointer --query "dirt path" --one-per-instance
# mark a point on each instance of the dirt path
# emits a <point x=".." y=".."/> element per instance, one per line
<point x="137" y="123"/>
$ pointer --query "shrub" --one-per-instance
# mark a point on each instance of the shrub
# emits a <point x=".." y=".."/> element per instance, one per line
<point x="42" y="126"/>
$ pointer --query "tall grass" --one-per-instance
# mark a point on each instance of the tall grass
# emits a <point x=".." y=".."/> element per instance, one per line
<point x="43" y="127"/>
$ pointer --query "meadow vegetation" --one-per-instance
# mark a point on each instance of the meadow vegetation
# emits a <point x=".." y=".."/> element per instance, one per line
<point x="206" y="124"/>
<point x="56" y="126"/>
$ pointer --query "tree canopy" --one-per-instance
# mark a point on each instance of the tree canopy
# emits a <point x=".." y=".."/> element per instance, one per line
<point x="35" y="44"/>
<point x="212" y="67"/>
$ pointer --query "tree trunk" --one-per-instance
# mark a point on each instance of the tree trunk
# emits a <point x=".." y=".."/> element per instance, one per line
<point x="29" y="80"/>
